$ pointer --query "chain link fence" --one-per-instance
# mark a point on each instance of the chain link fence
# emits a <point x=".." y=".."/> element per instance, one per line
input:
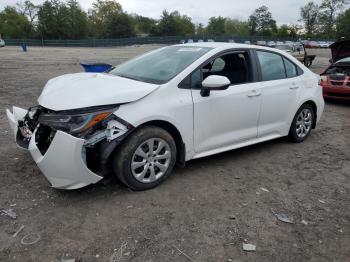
<point x="91" y="42"/>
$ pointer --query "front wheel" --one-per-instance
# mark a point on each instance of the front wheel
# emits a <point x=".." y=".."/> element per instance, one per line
<point x="302" y="123"/>
<point x="145" y="159"/>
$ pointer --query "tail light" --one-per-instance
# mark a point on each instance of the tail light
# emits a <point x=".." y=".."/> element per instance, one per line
<point x="323" y="79"/>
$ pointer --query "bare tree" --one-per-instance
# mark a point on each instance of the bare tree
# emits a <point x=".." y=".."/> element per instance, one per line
<point x="28" y="9"/>
<point x="328" y="12"/>
<point x="309" y="16"/>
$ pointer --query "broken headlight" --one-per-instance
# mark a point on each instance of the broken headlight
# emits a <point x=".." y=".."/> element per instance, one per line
<point x="73" y="123"/>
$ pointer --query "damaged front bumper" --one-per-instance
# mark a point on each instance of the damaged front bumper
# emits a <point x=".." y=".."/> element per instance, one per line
<point x="63" y="163"/>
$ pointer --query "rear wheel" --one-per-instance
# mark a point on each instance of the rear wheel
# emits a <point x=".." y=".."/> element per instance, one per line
<point x="302" y="123"/>
<point x="145" y="159"/>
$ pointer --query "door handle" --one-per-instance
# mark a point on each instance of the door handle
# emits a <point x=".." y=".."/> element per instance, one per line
<point x="294" y="86"/>
<point x="254" y="93"/>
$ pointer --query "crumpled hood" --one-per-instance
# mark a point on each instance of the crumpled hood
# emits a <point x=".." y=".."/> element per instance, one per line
<point x="81" y="90"/>
<point x="340" y="49"/>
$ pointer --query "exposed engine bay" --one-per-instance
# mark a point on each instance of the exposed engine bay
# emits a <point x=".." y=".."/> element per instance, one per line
<point x="98" y="126"/>
<point x="338" y="71"/>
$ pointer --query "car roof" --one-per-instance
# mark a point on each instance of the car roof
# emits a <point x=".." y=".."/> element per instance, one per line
<point x="224" y="45"/>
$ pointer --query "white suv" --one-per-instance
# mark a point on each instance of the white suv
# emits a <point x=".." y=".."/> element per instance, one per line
<point x="168" y="106"/>
<point x="2" y="43"/>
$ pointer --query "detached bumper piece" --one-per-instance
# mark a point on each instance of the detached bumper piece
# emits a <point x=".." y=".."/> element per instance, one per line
<point x="63" y="163"/>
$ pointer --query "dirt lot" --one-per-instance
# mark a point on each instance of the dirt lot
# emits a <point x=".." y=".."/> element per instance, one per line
<point x="206" y="210"/>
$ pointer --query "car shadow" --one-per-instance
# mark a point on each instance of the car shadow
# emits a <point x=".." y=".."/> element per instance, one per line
<point x="110" y="184"/>
<point x="338" y="102"/>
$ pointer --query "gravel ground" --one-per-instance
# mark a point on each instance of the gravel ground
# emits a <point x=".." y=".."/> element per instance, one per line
<point x="204" y="212"/>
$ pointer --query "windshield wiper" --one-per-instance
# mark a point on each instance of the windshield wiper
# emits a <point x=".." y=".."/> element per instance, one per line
<point x="128" y="77"/>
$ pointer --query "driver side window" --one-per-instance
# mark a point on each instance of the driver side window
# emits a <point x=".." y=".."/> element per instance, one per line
<point x="235" y="66"/>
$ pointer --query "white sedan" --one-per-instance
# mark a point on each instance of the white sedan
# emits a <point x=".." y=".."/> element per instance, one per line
<point x="168" y="106"/>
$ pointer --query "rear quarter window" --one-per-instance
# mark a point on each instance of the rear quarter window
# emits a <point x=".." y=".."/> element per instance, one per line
<point x="291" y="69"/>
<point x="272" y="66"/>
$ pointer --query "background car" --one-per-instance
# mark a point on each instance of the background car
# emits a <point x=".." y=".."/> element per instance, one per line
<point x="323" y="44"/>
<point x="2" y="42"/>
<point x="271" y="44"/>
<point x="298" y="51"/>
<point x="261" y="43"/>
<point x="335" y="80"/>
<point x="311" y="44"/>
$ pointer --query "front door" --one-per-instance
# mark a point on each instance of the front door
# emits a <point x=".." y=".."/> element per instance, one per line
<point x="230" y="116"/>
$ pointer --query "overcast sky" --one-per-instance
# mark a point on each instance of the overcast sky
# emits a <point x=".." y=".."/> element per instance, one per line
<point x="283" y="11"/>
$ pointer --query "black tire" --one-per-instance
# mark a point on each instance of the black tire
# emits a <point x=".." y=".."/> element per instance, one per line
<point x="293" y="134"/>
<point x="123" y="157"/>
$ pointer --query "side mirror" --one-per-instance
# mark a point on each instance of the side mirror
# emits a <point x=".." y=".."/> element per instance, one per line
<point x="214" y="83"/>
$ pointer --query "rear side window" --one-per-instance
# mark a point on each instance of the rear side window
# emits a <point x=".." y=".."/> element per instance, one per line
<point x="291" y="69"/>
<point x="272" y="66"/>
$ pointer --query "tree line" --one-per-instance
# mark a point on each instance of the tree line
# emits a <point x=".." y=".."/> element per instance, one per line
<point x="65" y="19"/>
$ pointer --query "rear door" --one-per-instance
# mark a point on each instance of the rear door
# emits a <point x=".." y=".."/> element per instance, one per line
<point x="280" y="86"/>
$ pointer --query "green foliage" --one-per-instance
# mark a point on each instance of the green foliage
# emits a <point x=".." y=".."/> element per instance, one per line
<point x="173" y="24"/>
<point x="343" y="24"/>
<point x="76" y="20"/>
<point x="288" y="31"/>
<point x="261" y="22"/>
<point x="64" y="19"/>
<point x="120" y="25"/>
<point x="309" y="16"/>
<point x="327" y="16"/>
<point x="200" y="30"/>
<point x="216" y="26"/>
<point x="61" y="20"/>
<point x="14" y="24"/>
<point x="101" y="14"/>
<point x="143" y="25"/>
<point x="236" y="27"/>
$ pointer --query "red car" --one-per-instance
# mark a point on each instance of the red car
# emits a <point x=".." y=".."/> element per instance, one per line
<point x="311" y="44"/>
<point x="335" y="80"/>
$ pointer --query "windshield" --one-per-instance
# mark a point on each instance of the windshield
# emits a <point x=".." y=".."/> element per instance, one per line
<point x="161" y="65"/>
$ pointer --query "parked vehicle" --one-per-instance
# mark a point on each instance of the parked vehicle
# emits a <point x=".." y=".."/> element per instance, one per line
<point x="168" y="106"/>
<point x="261" y="43"/>
<point x="311" y="44"/>
<point x="299" y="52"/>
<point x="271" y="44"/>
<point x="247" y="42"/>
<point x="2" y="43"/>
<point x="323" y="44"/>
<point x="335" y="80"/>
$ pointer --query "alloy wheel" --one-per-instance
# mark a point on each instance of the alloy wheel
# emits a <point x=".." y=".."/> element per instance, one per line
<point x="151" y="160"/>
<point x="304" y="123"/>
